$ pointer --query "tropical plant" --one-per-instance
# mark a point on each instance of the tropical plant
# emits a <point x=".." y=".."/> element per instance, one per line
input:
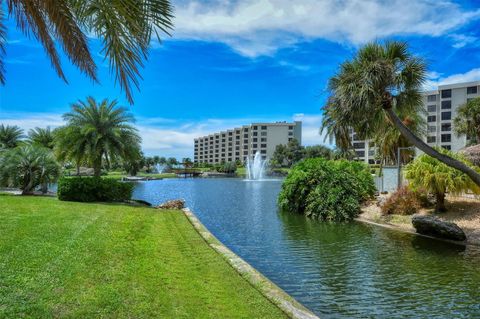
<point x="10" y="136"/>
<point x="42" y="136"/>
<point x="370" y="92"/>
<point x="125" y="29"/>
<point x="428" y="173"/>
<point x="403" y="201"/>
<point x="467" y="121"/>
<point x="326" y="189"/>
<point x="28" y="167"/>
<point x="317" y="151"/>
<point x="98" y="133"/>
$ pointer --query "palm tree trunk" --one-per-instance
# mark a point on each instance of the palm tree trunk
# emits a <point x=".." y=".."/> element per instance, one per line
<point x="440" y="202"/>
<point x="417" y="142"/>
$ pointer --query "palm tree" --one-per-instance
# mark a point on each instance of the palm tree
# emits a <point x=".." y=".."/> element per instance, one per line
<point x="71" y="145"/>
<point x="27" y="167"/>
<point x="125" y="29"/>
<point x="467" y="120"/>
<point x="98" y="133"/>
<point x="42" y="136"/>
<point x="429" y="174"/>
<point x="379" y="83"/>
<point x="10" y="136"/>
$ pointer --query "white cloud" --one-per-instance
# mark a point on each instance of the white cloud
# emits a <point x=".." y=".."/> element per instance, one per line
<point x="260" y="27"/>
<point x="436" y="79"/>
<point x="173" y="137"/>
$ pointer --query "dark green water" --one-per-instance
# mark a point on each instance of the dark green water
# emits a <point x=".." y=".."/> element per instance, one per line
<point x="337" y="270"/>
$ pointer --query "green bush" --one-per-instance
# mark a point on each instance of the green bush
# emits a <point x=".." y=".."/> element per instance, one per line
<point x="326" y="189"/>
<point x="93" y="189"/>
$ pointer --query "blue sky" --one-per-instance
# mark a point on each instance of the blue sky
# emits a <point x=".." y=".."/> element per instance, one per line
<point x="230" y="63"/>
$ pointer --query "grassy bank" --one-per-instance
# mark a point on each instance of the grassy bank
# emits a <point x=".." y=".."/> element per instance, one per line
<point x="63" y="259"/>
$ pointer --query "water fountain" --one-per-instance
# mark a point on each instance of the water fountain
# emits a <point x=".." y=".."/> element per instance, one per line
<point x="256" y="168"/>
<point x="159" y="168"/>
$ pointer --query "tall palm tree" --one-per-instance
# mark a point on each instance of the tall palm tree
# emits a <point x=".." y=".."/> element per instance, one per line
<point x="71" y="145"/>
<point x="10" y="136"/>
<point x="467" y="120"/>
<point x="100" y="131"/>
<point x="42" y="136"/>
<point x="379" y="83"/>
<point x="125" y="28"/>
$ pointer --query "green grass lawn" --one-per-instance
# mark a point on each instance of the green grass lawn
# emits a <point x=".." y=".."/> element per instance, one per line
<point x="64" y="259"/>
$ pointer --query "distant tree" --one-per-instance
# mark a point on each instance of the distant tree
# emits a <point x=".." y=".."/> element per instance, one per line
<point x="149" y="162"/>
<point x="28" y="167"/>
<point x="156" y="159"/>
<point x="318" y="151"/>
<point x="428" y="173"/>
<point x="102" y="130"/>
<point x="228" y="167"/>
<point x="467" y="121"/>
<point x="295" y="152"/>
<point x="187" y="162"/>
<point x="347" y="154"/>
<point x="172" y="161"/>
<point x="162" y="161"/>
<point x="279" y="156"/>
<point x="10" y="136"/>
<point x="134" y="164"/>
<point x="42" y="136"/>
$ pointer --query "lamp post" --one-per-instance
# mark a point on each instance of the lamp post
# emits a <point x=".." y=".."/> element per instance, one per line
<point x="400" y="162"/>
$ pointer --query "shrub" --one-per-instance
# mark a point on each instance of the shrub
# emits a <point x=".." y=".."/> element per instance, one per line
<point x="402" y="202"/>
<point x="93" y="189"/>
<point x="326" y="189"/>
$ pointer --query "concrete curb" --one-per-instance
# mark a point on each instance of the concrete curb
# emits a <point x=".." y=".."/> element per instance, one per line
<point x="272" y="292"/>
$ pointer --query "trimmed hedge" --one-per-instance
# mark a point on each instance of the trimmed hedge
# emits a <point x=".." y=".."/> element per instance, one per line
<point x="93" y="189"/>
<point x="326" y="189"/>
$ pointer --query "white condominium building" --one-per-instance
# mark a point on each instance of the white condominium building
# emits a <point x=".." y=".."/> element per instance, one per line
<point x="440" y="109"/>
<point x="239" y="143"/>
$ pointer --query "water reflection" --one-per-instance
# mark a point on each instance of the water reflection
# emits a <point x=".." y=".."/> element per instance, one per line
<point x="337" y="270"/>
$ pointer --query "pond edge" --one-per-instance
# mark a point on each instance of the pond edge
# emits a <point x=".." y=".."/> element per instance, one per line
<point x="267" y="288"/>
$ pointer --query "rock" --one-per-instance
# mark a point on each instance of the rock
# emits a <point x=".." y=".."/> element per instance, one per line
<point x="433" y="226"/>
<point x="381" y="200"/>
<point x="172" y="204"/>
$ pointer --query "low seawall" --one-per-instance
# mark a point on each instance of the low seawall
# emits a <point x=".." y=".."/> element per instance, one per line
<point x="272" y="292"/>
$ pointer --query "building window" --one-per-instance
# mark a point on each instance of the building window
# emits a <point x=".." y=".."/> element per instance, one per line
<point x="263" y="133"/>
<point x="446" y="105"/>
<point x="263" y="152"/>
<point x="472" y="90"/>
<point x="447" y="147"/>
<point x="446" y="127"/>
<point x="432" y="108"/>
<point x="446" y="138"/>
<point x="245" y="129"/>
<point x="290" y="133"/>
<point x="431" y="118"/>
<point x="245" y="147"/>
<point x="254" y="145"/>
<point x="432" y="98"/>
<point x="264" y="127"/>
<point x="255" y="139"/>
<point x="290" y="127"/>
<point x="263" y="145"/>
<point x="245" y="135"/>
<point x="431" y="139"/>
<point x="446" y="116"/>
<point x="446" y="94"/>
<point x="358" y="145"/>
<point x="432" y="129"/>
<point x="255" y="133"/>
<point x="255" y="127"/>
<point x="360" y="153"/>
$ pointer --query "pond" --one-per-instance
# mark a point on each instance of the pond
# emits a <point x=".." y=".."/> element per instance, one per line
<point x="348" y="270"/>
